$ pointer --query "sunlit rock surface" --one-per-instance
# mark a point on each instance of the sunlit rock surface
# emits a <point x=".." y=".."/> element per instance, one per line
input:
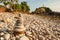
<point x="38" y="27"/>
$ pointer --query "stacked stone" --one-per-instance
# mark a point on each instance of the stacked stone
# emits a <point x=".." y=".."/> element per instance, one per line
<point x="11" y="27"/>
<point x="19" y="30"/>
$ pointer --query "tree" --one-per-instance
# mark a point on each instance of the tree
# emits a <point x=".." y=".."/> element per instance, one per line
<point x="21" y="7"/>
<point x="14" y="5"/>
<point x="48" y="10"/>
<point x="25" y="7"/>
<point x="13" y="1"/>
<point x="17" y="7"/>
<point x="9" y="2"/>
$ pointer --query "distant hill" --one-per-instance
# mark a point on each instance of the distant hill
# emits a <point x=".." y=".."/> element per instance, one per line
<point x="45" y="10"/>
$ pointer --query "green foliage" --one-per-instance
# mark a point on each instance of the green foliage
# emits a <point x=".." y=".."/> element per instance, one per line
<point x="1" y="1"/>
<point x="25" y="7"/>
<point x="43" y="10"/>
<point x="22" y="7"/>
<point x="10" y="2"/>
<point x="6" y="3"/>
<point x="16" y="7"/>
<point x="13" y="4"/>
<point x="48" y="10"/>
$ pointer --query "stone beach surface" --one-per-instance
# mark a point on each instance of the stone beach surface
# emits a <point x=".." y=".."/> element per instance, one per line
<point x="38" y="27"/>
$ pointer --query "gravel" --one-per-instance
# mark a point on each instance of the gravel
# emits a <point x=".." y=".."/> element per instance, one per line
<point x="38" y="27"/>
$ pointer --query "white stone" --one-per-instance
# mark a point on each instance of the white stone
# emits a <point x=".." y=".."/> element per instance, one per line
<point x="28" y="33"/>
<point x="21" y="28"/>
<point x="1" y="38"/>
<point x="13" y="38"/>
<point x="7" y="36"/>
<point x="2" y="33"/>
<point x="24" y="38"/>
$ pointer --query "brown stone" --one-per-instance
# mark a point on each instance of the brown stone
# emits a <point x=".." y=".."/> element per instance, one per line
<point x="17" y="33"/>
<point x="16" y="17"/>
<point x="2" y="9"/>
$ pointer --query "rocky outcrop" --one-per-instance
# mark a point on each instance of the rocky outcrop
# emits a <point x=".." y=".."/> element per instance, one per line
<point x="2" y="9"/>
<point x="38" y="27"/>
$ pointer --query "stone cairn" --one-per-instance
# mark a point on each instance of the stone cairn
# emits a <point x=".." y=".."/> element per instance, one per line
<point x="19" y="31"/>
<point x="15" y="32"/>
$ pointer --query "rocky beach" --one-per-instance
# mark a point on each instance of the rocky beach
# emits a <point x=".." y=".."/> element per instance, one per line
<point x="30" y="26"/>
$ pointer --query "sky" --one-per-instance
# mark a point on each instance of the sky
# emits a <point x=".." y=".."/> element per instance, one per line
<point x="52" y="4"/>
